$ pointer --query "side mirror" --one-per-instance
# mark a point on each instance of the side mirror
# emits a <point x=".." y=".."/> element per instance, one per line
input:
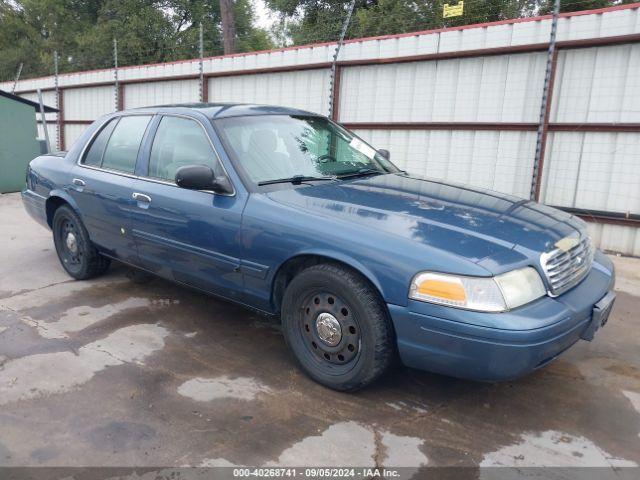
<point x="385" y="153"/>
<point x="201" y="177"/>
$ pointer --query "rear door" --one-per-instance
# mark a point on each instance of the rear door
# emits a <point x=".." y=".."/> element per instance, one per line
<point x="102" y="184"/>
<point x="190" y="236"/>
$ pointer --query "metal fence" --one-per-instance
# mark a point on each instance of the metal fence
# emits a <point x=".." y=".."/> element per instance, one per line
<point x="461" y="103"/>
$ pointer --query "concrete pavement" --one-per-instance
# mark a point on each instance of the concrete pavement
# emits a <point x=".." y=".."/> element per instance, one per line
<point x="111" y="372"/>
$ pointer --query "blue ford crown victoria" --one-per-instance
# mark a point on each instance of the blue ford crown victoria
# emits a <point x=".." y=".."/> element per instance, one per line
<point x="286" y="212"/>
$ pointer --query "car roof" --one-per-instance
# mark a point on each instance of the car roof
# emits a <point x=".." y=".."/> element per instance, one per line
<point x="225" y="110"/>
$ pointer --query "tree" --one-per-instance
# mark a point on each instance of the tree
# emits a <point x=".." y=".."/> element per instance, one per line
<point x="228" y="26"/>
<point x="574" y="5"/>
<point x="148" y="31"/>
<point x="309" y="21"/>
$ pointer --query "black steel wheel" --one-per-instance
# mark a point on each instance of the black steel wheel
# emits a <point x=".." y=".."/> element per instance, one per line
<point x="77" y="255"/>
<point x="337" y="327"/>
<point x="330" y="331"/>
<point x="72" y="248"/>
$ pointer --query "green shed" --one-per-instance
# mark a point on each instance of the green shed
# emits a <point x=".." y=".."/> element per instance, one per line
<point x="18" y="139"/>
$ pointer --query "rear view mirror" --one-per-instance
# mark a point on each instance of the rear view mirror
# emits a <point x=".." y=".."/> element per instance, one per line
<point x="201" y="177"/>
<point x="385" y="153"/>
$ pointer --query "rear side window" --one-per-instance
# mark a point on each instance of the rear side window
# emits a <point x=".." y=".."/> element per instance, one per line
<point x="96" y="150"/>
<point x="124" y="143"/>
<point x="178" y="142"/>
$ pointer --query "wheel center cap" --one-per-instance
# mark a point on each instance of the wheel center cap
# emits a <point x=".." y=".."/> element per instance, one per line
<point x="72" y="243"/>
<point x="329" y="329"/>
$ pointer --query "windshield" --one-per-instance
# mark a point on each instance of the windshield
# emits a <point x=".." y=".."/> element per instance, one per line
<point x="274" y="147"/>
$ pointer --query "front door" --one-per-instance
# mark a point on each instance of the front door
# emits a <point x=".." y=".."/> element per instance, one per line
<point x="102" y="182"/>
<point x="190" y="236"/>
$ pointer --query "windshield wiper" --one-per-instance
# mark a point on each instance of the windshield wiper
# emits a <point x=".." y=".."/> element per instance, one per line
<point x="296" y="180"/>
<point x="361" y="173"/>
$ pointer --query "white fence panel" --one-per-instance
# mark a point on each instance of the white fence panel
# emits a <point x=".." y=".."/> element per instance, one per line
<point x="71" y="134"/>
<point x="593" y="170"/>
<point x="499" y="161"/>
<point x="291" y="56"/>
<point x="616" y="22"/>
<point x="616" y="238"/>
<point x="390" y="47"/>
<point x="505" y="88"/>
<point x="305" y="89"/>
<point x="88" y="103"/>
<point x="161" y="93"/>
<point x="598" y="85"/>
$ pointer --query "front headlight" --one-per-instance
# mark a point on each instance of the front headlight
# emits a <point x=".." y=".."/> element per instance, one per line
<point x="485" y="294"/>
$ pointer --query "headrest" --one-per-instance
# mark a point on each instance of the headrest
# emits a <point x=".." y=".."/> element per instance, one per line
<point x="264" y="140"/>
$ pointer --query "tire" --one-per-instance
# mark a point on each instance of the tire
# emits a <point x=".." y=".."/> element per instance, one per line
<point x="77" y="254"/>
<point x="350" y="348"/>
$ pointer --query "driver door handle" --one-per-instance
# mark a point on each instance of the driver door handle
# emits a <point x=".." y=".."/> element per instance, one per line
<point x="78" y="182"/>
<point x="141" y="197"/>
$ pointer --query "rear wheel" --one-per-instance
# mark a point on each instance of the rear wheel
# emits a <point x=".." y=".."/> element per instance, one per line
<point x="77" y="255"/>
<point x="337" y="327"/>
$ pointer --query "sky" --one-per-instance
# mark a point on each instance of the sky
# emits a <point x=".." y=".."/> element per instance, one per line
<point x="262" y="14"/>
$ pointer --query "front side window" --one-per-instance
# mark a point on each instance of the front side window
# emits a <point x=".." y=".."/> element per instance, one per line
<point x="271" y="147"/>
<point x="122" y="149"/>
<point x="179" y="142"/>
<point x="93" y="156"/>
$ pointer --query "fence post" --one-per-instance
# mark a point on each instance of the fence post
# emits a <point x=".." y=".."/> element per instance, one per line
<point x="43" y="116"/>
<point x="59" y="103"/>
<point x="203" y="87"/>
<point x="335" y="93"/>
<point x="116" y="82"/>
<point x="545" y="107"/>
<point x="15" y="82"/>
<point x="334" y="81"/>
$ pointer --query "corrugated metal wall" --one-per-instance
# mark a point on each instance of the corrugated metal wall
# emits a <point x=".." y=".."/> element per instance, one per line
<point x="504" y="88"/>
<point x="72" y="133"/>
<point x="584" y="169"/>
<point x="499" y="161"/>
<point x="305" y="89"/>
<point x="88" y="103"/>
<point x="160" y="93"/>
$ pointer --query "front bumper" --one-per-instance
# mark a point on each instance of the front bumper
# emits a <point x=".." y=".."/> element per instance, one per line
<point x="502" y="346"/>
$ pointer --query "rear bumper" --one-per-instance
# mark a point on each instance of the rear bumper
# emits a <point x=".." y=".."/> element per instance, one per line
<point x="495" y="347"/>
<point x="35" y="205"/>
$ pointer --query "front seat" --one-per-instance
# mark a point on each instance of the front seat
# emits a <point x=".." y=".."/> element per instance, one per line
<point x="165" y="158"/>
<point x="189" y="150"/>
<point x="264" y="160"/>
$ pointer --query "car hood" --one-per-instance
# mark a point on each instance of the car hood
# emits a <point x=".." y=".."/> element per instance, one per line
<point x="480" y="225"/>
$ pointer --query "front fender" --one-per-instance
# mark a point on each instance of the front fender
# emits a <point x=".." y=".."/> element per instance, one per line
<point x="341" y="258"/>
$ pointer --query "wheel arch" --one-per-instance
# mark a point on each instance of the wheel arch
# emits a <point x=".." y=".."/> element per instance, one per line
<point x="56" y="199"/>
<point x="288" y="269"/>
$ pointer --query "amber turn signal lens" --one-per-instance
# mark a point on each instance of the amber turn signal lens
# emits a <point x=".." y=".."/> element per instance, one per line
<point x="441" y="289"/>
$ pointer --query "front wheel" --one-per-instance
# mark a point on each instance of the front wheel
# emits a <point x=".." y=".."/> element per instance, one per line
<point x="77" y="255"/>
<point x="338" y="327"/>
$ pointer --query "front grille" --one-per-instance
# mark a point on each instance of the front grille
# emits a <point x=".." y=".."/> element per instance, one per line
<point x="565" y="268"/>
